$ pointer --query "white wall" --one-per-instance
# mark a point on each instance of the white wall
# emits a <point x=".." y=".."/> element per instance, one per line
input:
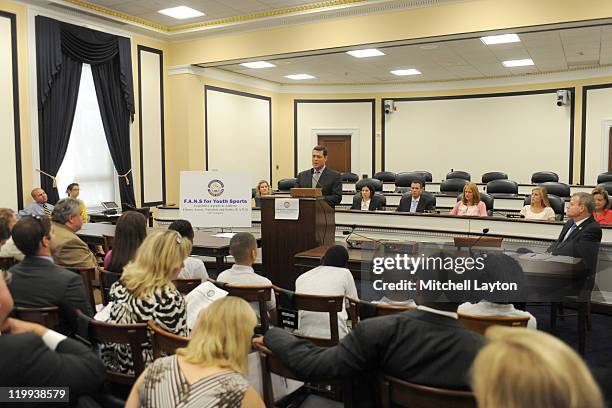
<point x="599" y="111"/>
<point x="238" y="133"/>
<point x="517" y="134"/>
<point x="329" y="118"/>
<point x="8" y="169"/>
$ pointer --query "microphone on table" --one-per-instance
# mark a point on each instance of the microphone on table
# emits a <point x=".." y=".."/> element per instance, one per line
<point x="352" y="232"/>
<point x="485" y="231"/>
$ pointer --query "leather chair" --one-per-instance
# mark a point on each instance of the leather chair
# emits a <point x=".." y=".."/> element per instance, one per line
<point x="501" y="186"/>
<point x="556" y="203"/>
<point x="606" y="186"/>
<point x="403" y="181"/>
<point x="454" y="185"/>
<point x="494" y="175"/>
<point x="604" y="177"/>
<point x="397" y="393"/>
<point x="378" y="185"/>
<point x="428" y="176"/>
<point x="459" y="174"/>
<point x="286" y="184"/>
<point x="350" y="177"/>
<point x="544" y="176"/>
<point x="559" y="189"/>
<point x="385" y="176"/>
<point x="487" y="199"/>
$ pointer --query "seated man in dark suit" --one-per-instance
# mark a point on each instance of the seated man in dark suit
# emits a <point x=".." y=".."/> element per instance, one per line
<point x="427" y="346"/>
<point x="37" y="281"/>
<point x="416" y="201"/>
<point x="581" y="235"/>
<point x="320" y="176"/>
<point x="34" y="356"/>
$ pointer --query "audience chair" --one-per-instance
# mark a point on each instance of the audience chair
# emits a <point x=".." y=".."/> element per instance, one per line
<point x="88" y="275"/>
<point x="454" y="185"/>
<point x="480" y="324"/>
<point x="604" y="177"/>
<point x="133" y="335"/>
<point x="485" y="198"/>
<point x="286" y="184"/>
<point x="501" y="186"/>
<point x="494" y="175"/>
<point x="165" y="343"/>
<point x="378" y="185"/>
<point x="259" y="294"/>
<point x="47" y="316"/>
<point x="362" y="309"/>
<point x="107" y="278"/>
<point x="349" y="177"/>
<point x="403" y="181"/>
<point x="607" y="185"/>
<point x="385" y="176"/>
<point x="324" y="304"/>
<point x="556" y="203"/>
<point x="394" y="392"/>
<point x="559" y="189"/>
<point x="459" y="174"/>
<point x="544" y="176"/>
<point x="186" y="285"/>
<point x="7" y="262"/>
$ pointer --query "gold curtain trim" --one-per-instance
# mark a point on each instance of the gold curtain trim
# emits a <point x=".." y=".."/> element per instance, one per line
<point x="53" y="179"/>
<point x="125" y="176"/>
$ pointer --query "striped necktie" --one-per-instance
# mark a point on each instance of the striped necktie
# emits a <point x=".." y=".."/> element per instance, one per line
<point x="46" y="210"/>
<point x="315" y="178"/>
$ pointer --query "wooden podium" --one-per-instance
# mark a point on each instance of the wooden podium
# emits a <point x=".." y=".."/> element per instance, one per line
<point x="282" y="239"/>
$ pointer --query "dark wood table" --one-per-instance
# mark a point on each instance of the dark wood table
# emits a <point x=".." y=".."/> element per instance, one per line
<point x="204" y="243"/>
<point x="111" y="218"/>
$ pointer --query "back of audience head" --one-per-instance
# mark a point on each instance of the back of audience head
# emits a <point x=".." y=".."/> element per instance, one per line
<point x="499" y="267"/>
<point x="337" y="256"/>
<point x="158" y="261"/>
<point x="8" y="216"/>
<point x="130" y="231"/>
<point x="69" y="212"/>
<point x="222" y="335"/>
<point x="5" y="233"/>
<point x="32" y="235"/>
<point x="243" y="247"/>
<point x="184" y="228"/>
<point x="522" y="368"/>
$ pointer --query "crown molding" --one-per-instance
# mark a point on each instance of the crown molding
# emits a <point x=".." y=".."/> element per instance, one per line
<point x="225" y="76"/>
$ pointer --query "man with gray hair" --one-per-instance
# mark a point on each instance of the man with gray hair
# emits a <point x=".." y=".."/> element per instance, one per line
<point x="70" y="250"/>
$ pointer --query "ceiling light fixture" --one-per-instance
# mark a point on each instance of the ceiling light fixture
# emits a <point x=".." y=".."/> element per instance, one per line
<point x="181" y="12"/>
<point x="370" y="52"/>
<point x="299" y="77"/>
<point x="258" y="64"/>
<point x="518" y="63"/>
<point x="500" y="39"/>
<point x="404" y="72"/>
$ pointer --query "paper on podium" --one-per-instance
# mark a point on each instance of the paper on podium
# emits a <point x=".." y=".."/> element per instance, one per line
<point x="199" y="299"/>
<point x="286" y="209"/>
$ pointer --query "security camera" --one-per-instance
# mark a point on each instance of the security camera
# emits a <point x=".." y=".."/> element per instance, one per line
<point x="563" y="97"/>
<point x="389" y="107"/>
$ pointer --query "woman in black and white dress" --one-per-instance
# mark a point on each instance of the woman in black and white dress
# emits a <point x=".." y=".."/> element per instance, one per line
<point x="145" y="292"/>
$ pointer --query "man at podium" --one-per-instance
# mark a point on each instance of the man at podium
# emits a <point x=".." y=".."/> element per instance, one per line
<point x="320" y="176"/>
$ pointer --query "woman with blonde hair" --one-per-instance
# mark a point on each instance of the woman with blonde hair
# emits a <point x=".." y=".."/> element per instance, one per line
<point x="262" y="189"/>
<point x="470" y="203"/>
<point x="540" y="208"/>
<point x="210" y="371"/>
<point x="602" y="213"/>
<point x="145" y="292"/>
<point x="522" y="368"/>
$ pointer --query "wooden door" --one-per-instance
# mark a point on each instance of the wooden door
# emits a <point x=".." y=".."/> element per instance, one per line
<point x="339" y="151"/>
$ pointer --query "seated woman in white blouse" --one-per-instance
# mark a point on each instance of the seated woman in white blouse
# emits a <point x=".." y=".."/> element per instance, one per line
<point x="367" y="200"/>
<point x="540" y="208"/>
<point x="470" y="203"/>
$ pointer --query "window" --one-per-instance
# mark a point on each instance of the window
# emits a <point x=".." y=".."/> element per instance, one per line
<point x="88" y="161"/>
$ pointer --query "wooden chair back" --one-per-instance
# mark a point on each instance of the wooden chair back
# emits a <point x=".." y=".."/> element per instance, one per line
<point x="480" y="324"/>
<point x="47" y="316"/>
<point x="385" y="309"/>
<point x="394" y="392"/>
<point x="186" y="285"/>
<point x="380" y="309"/>
<point x="324" y="304"/>
<point x="134" y="335"/>
<point x="271" y="364"/>
<point x="7" y="262"/>
<point x="165" y="343"/>
<point x="88" y="275"/>
<point x="107" y="278"/>
<point x="259" y="294"/>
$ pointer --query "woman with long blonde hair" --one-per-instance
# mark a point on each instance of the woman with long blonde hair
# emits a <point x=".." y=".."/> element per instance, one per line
<point x="522" y="368"/>
<point x="262" y="189"/>
<point x="540" y="208"/>
<point x="210" y="371"/>
<point x="145" y="292"/>
<point x="470" y="203"/>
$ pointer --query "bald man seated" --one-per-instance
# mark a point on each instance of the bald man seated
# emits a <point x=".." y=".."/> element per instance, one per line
<point x="39" y="207"/>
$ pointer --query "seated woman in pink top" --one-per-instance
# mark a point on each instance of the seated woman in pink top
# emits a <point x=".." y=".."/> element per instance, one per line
<point x="470" y="203"/>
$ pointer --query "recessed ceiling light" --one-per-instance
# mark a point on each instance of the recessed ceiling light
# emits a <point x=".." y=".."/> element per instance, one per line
<point x="370" y="52"/>
<point x="181" y="12"/>
<point x="257" y="64"/>
<point x="500" y="39"/>
<point x="299" y="77"/>
<point x="518" y="63"/>
<point x="404" y="72"/>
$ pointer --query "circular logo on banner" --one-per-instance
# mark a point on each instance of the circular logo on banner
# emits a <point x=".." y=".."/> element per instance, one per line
<point x="215" y="188"/>
<point x="286" y="204"/>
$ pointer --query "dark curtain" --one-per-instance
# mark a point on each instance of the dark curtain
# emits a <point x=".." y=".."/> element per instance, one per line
<point x="60" y="48"/>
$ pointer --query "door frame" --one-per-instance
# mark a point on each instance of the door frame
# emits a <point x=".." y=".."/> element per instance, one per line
<point x="606" y="124"/>
<point x="353" y="134"/>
